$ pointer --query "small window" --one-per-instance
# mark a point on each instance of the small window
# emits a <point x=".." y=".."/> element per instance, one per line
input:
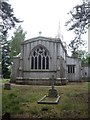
<point x="71" y="68"/>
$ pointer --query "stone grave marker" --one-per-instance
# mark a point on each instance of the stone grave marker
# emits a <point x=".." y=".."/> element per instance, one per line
<point x="7" y="86"/>
<point x="52" y="92"/>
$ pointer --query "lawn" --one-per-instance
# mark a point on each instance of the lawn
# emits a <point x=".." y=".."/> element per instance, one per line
<point x="21" y="101"/>
<point x="4" y="80"/>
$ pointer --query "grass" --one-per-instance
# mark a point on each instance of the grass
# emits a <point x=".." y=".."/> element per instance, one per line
<point x="4" y="80"/>
<point x="21" y="101"/>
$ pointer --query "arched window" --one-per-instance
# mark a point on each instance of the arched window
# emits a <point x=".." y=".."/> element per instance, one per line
<point x="40" y="58"/>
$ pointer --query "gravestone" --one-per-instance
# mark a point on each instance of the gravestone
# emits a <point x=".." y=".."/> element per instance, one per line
<point x="7" y="86"/>
<point x="52" y="92"/>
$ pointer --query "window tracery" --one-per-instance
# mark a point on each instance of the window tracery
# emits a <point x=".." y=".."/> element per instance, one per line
<point x="40" y="58"/>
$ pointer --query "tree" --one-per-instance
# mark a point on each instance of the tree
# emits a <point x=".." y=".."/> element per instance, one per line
<point x="83" y="56"/>
<point x="17" y="39"/>
<point x="7" y="21"/>
<point x="88" y="59"/>
<point x="5" y="58"/>
<point x="79" y="22"/>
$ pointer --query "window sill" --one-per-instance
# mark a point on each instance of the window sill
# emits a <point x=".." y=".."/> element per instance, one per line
<point x="39" y="71"/>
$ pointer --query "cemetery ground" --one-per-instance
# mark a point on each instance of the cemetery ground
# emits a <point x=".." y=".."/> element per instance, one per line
<point x="21" y="101"/>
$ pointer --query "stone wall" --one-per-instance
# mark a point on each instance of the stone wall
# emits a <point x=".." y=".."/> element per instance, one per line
<point x="86" y="73"/>
<point x="15" y="69"/>
<point x="55" y="50"/>
<point x="76" y="76"/>
<point x="58" y="61"/>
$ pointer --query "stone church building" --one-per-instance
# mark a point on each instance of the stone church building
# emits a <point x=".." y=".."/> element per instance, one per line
<point x="42" y="57"/>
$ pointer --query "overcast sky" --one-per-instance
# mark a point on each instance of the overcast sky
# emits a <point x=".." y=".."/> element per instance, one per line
<point x="44" y="16"/>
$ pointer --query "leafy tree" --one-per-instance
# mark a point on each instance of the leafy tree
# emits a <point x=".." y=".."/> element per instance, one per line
<point x="81" y="54"/>
<point x="88" y="59"/>
<point x="17" y="39"/>
<point x="79" y="22"/>
<point x="84" y="56"/>
<point x="7" y="21"/>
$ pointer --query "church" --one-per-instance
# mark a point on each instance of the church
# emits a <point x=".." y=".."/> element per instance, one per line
<point x="44" y="57"/>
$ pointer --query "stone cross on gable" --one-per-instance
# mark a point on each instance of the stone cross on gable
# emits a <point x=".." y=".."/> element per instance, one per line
<point x="40" y="32"/>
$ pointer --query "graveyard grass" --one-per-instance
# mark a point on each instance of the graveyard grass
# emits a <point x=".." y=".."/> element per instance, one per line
<point x="21" y="101"/>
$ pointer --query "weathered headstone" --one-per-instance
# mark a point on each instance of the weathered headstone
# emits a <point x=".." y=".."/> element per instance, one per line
<point x="7" y="86"/>
<point x="52" y="92"/>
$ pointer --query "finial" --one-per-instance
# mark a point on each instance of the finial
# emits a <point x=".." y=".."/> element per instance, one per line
<point x="59" y="31"/>
<point x="40" y="32"/>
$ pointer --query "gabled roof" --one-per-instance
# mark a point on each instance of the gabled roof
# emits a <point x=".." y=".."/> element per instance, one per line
<point x="49" y="39"/>
<point x="42" y="38"/>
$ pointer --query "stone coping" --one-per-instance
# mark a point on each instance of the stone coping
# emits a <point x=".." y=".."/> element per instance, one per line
<point x="21" y="78"/>
<point x="42" y="100"/>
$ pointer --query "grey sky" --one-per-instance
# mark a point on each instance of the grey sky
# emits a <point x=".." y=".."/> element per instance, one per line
<point x="44" y="15"/>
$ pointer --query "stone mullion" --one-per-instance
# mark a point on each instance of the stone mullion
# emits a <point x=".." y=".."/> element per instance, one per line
<point x="37" y="62"/>
<point x="30" y="62"/>
<point x="45" y="62"/>
<point x="34" y="63"/>
<point x="41" y="61"/>
<point x="49" y="61"/>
